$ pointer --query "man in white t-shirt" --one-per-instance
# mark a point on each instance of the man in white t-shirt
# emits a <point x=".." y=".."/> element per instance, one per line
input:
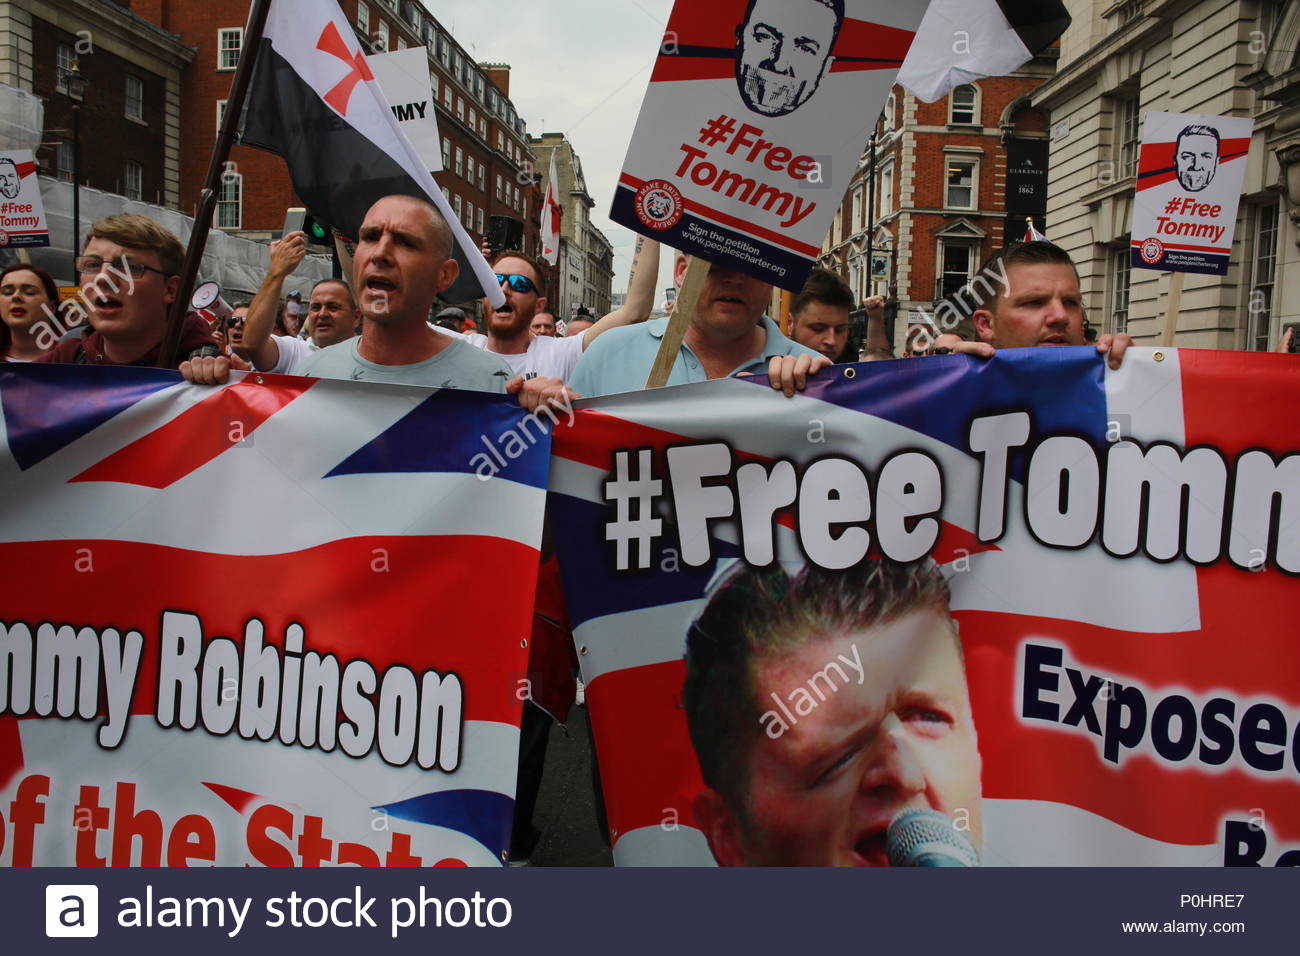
<point x="508" y="329"/>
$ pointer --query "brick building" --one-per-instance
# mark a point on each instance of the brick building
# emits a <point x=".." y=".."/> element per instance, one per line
<point x="941" y="187"/>
<point x="488" y="167"/>
<point x="130" y="121"/>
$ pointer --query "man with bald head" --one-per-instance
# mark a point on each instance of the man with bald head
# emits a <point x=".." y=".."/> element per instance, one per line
<point x="403" y="259"/>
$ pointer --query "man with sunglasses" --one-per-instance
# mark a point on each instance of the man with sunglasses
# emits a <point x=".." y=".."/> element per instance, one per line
<point x="532" y="355"/>
<point x="130" y="273"/>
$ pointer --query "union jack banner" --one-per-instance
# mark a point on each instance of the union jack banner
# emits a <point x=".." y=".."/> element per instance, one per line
<point x="262" y="623"/>
<point x="1120" y="549"/>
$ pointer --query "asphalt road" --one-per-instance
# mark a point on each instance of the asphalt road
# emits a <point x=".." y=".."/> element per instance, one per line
<point x="566" y="805"/>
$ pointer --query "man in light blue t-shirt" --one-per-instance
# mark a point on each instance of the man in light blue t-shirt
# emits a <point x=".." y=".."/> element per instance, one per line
<point x="403" y="260"/>
<point x="727" y="335"/>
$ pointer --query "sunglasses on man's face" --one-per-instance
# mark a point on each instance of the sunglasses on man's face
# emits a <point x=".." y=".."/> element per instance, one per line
<point x="234" y="321"/>
<point x="518" y="283"/>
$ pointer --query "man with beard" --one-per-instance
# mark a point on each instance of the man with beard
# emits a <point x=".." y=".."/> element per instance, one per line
<point x="783" y="49"/>
<point x="509" y="333"/>
<point x="1196" y="157"/>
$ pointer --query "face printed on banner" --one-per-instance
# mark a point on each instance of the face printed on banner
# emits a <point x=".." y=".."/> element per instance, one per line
<point x="896" y="735"/>
<point x="1196" y="157"/>
<point x="783" y="51"/>
<point x="1042" y="305"/>
<point x="11" y="184"/>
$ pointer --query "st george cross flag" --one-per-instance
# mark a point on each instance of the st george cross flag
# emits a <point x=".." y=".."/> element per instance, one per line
<point x="1032" y="234"/>
<point x="249" y="624"/>
<point x="765" y="590"/>
<point x="960" y="41"/>
<point x="551" y="213"/>
<point x="315" y="101"/>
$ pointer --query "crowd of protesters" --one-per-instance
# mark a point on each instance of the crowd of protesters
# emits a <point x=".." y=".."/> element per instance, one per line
<point x="383" y="323"/>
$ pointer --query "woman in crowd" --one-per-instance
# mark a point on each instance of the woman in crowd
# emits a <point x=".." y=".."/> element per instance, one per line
<point x="28" y="298"/>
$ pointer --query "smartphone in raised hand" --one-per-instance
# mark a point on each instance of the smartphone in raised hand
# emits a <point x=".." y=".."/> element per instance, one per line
<point x="294" y="219"/>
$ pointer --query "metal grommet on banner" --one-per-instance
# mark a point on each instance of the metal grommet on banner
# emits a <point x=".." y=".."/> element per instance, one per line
<point x="523" y="643"/>
<point x="583" y="650"/>
<point x="850" y="373"/>
<point x="259" y="380"/>
<point x="1158" y="356"/>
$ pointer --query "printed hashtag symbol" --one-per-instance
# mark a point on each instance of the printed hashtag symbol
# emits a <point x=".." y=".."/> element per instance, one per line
<point x="1171" y="207"/>
<point x="625" y="491"/>
<point x="717" y="131"/>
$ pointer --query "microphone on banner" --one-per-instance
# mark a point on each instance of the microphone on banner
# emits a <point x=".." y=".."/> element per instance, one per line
<point x="927" y="838"/>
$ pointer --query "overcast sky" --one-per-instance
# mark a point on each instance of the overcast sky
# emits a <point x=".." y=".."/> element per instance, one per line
<point x="578" y="67"/>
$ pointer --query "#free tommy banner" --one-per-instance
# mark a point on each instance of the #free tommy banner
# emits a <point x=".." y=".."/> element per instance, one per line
<point x="751" y="129"/>
<point x="1189" y="182"/>
<point x="259" y="624"/>
<point x="1048" y="605"/>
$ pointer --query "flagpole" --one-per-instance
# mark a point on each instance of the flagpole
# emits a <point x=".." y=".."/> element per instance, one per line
<point x="212" y="184"/>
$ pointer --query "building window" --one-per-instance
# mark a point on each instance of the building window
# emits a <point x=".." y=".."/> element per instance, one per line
<point x="401" y="43"/>
<point x="473" y="118"/>
<point x="482" y="129"/>
<point x="469" y="169"/>
<point x="230" y="202"/>
<point x="963" y="106"/>
<point x="1120" y="273"/>
<point x="446" y="152"/>
<point x="460" y="109"/>
<point x="433" y="85"/>
<point x="499" y="185"/>
<point x="478" y="218"/>
<point x="63" y="161"/>
<point x="886" y="203"/>
<point x="1259" y="304"/>
<point x="134" y="98"/>
<point x="457" y="204"/>
<point x="381" y="37"/>
<point x="63" y="60"/>
<point x="956" y="261"/>
<point x="478" y="85"/>
<point x="1127" y="136"/>
<point x="363" y="19"/>
<point x="229" y="42"/>
<point x="134" y="181"/>
<point x="961" y="184"/>
<point x="856" y="222"/>
<point x="460" y="162"/>
<point x="482" y="178"/>
<point x="889" y="111"/>
<point x="221" y="114"/>
<point x="446" y="98"/>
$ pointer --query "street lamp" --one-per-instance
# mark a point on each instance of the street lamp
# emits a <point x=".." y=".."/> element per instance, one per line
<point x="74" y="85"/>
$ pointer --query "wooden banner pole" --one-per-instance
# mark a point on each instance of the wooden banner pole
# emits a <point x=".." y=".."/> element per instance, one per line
<point x="688" y="297"/>
<point x="1171" y="310"/>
